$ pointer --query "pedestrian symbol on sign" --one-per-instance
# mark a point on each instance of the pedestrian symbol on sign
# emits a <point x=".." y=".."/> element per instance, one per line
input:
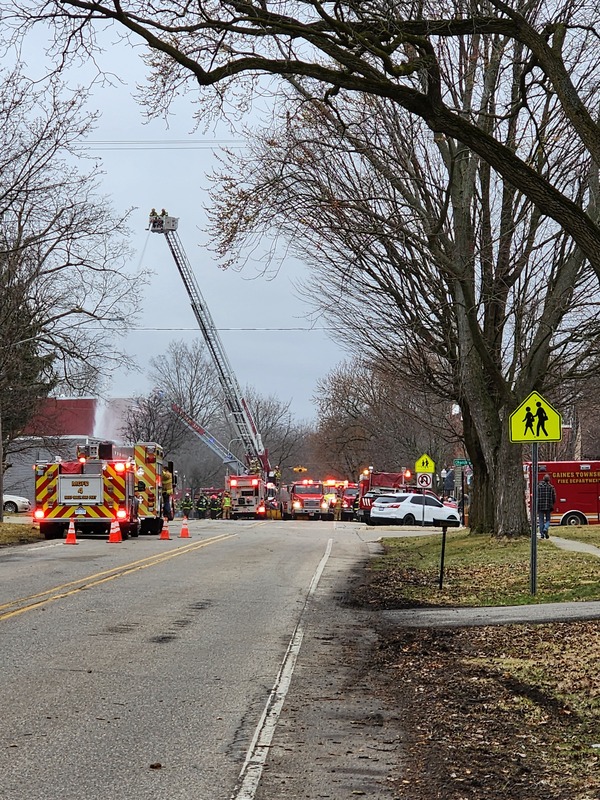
<point x="542" y="425"/>
<point x="425" y="464"/>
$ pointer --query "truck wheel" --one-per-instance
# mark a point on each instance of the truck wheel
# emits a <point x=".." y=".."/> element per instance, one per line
<point x="574" y="518"/>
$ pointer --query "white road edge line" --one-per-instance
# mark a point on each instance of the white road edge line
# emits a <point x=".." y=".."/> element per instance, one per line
<point x="256" y="756"/>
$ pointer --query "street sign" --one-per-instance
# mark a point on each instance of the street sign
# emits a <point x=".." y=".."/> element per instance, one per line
<point x="425" y="464"/>
<point x="535" y="420"/>
<point x="424" y="480"/>
<point x="462" y="462"/>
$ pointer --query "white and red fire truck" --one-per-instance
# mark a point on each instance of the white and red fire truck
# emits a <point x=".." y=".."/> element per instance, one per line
<point x="248" y="496"/>
<point x="302" y="499"/>
<point x="375" y="483"/>
<point x="577" y="486"/>
<point x="105" y="483"/>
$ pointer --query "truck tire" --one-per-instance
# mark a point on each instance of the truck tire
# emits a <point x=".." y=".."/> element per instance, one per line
<point x="573" y="518"/>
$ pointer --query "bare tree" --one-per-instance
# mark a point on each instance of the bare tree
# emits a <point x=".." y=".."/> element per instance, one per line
<point x="408" y="53"/>
<point x="283" y="437"/>
<point x="367" y="417"/>
<point x="186" y="375"/>
<point x="460" y="284"/>
<point x="66" y="290"/>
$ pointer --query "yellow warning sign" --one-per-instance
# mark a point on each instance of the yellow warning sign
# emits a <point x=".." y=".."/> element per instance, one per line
<point x="535" y="420"/>
<point x="425" y="464"/>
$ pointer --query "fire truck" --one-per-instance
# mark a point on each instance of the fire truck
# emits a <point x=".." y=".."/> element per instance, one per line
<point x="333" y="488"/>
<point x="248" y="496"/>
<point x="302" y="499"/>
<point x="97" y="488"/>
<point x="149" y="460"/>
<point x="375" y="483"/>
<point x="577" y="485"/>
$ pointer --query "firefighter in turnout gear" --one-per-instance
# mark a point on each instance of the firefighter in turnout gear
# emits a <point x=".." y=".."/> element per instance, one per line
<point x="187" y="506"/>
<point x="337" y="507"/>
<point x="226" y="505"/>
<point x="167" y="491"/>
<point x="201" y="505"/>
<point x="215" y="507"/>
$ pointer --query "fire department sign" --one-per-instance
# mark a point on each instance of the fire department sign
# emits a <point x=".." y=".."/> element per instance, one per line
<point x="535" y="420"/>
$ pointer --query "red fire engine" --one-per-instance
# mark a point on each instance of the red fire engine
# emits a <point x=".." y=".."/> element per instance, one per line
<point x="577" y="485"/>
<point x="302" y="499"/>
<point x="93" y="491"/>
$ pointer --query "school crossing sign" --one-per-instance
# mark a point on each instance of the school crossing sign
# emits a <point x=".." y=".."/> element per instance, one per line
<point x="535" y="420"/>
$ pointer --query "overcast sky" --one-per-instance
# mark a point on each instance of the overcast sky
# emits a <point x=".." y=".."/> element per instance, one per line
<point x="148" y="165"/>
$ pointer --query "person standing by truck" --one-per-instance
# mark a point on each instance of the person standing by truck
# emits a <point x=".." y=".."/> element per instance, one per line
<point x="546" y="500"/>
<point x="167" y="491"/>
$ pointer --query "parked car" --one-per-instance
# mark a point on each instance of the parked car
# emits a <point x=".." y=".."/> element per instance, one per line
<point x="410" y="509"/>
<point x="12" y="503"/>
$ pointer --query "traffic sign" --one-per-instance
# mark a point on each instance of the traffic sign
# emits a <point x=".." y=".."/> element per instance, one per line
<point x="424" y="480"/>
<point x="535" y="420"/>
<point x="425" y="464"/>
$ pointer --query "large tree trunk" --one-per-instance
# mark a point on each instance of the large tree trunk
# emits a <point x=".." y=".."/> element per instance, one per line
<point x="511" y="511"/>
<point x="481" y="495"/>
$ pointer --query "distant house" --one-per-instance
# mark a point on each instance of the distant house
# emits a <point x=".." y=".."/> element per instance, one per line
<point x="60" y="425"/>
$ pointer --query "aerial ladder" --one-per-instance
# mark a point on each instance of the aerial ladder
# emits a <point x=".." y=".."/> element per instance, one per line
<point x="209" y="440"/>
<point x="244" y="424"/>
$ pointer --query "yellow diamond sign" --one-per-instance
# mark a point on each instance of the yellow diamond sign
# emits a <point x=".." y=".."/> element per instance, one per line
<point x="535" y="420"/>
<point x="425" y="464"/>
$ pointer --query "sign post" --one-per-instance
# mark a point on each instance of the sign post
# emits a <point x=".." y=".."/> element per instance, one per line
<point x="529" y="426"/>
<point x="424" y="467"/>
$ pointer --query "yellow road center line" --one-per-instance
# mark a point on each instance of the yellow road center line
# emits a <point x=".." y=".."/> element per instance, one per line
<point x="98" y="578"/>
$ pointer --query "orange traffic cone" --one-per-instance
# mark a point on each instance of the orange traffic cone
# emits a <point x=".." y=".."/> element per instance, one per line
<point x="185" y="531"/>
<point x="115" y="533"/>
<point x="71" y="537"/>
<point x="164" y="534"/>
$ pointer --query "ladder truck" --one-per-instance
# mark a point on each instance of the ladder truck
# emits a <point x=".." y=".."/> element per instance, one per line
<point x="256" y="455"/>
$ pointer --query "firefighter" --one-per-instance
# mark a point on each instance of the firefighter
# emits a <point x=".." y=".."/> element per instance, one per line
<point x="201" y="505"/>
<point x="187" y="505"/>
<point x="337" y="507"/>
<point x="167" y="491"/>
<point x="215" y="507"/>
<point x="226" y="505"/>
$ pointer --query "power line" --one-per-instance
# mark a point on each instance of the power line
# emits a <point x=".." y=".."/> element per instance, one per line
<point x="160" y="144"/>
<point x="266" y="330"/>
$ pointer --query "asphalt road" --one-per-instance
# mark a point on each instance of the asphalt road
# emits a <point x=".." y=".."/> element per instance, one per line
<point x="222" y="667"/>
<point x="160" y="669"/>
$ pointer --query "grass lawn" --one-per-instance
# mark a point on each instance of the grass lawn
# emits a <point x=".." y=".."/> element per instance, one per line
<point x="481" y="571"/>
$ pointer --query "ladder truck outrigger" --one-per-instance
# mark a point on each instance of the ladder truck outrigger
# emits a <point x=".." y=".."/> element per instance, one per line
<point x="256" y="456"/>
